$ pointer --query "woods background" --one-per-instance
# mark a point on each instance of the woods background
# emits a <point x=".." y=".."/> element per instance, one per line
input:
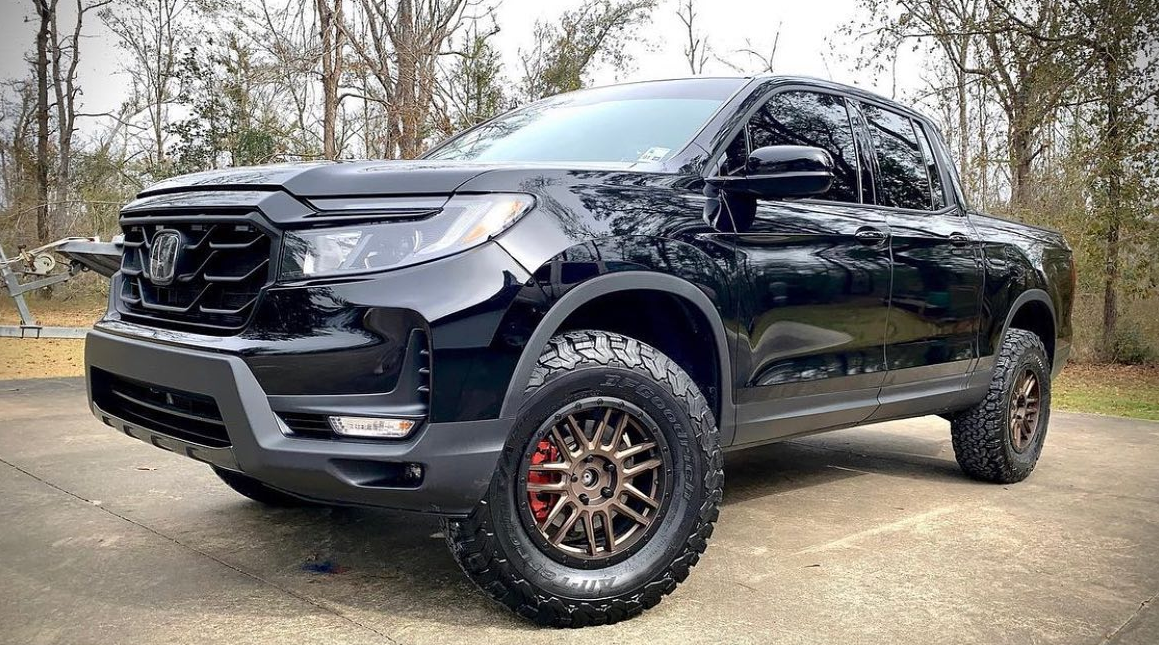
<point x="1051" y="107"/>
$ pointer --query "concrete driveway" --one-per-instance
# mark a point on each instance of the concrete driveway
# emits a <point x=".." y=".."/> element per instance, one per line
<point x="861" y="536"/>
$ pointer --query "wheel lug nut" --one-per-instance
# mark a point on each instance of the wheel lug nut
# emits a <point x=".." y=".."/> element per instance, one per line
<point x="583" y="498"/>
<point x="610" y="467"/>
<point x="575" y="478"/>
<point x="606" y="492"/>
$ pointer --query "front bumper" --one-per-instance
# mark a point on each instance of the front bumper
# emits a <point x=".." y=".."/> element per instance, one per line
<point x="458" y="458"/>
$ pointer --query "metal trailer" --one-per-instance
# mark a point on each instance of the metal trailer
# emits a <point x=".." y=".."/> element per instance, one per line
<point x="37" y="268"/>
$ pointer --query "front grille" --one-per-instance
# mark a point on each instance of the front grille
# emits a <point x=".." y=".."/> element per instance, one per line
<point x="182" y="415"/>
<point x="221" y="268"/>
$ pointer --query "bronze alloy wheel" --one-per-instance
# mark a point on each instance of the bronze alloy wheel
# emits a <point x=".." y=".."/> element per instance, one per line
<point x="1025" y="402"/>
<point x="593" y="479"/>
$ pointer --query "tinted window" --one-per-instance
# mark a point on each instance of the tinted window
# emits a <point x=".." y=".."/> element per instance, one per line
<point x="811" y="119"/>
<point x="939" y="193"/>
<point x="902" y="180"/>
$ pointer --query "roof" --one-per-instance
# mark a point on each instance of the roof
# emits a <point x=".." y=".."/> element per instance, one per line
<point x="789" y="78"/>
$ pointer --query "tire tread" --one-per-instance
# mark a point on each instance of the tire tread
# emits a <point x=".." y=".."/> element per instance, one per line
<point x="978" y="433"/>
<point x="473" y="542"/>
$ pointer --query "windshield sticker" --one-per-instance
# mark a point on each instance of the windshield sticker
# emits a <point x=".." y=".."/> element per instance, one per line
<point x="653" y="154"/>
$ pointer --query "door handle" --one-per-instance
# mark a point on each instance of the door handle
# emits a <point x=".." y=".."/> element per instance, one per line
<point x="959" y="239"/>
<point x="870" y="236"/>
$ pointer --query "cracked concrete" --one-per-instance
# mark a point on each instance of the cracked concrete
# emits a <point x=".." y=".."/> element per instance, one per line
<point x="868" y="535"/>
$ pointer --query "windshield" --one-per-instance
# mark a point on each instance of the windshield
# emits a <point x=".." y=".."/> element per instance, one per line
<point x="642" y="122"/>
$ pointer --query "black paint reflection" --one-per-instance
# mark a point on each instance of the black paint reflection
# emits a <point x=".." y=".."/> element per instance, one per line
<point x="937" y="289"/>
<point x="814" y="301"/>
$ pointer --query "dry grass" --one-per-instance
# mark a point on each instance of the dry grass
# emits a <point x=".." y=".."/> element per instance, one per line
<point x="73" y="310"/>
<point x="22" y="358"/>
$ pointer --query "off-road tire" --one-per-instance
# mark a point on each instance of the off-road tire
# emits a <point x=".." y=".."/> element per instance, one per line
<point x="981" y="434"/>
<point x="257" y="491"/>
<point x="493" y="546"/>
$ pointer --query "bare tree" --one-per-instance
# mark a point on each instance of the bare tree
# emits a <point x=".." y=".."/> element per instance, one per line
<point x="400" y="44"/>
<point x="696" y="49"/>
<point x="18" y="116"/>
<point x="46" y="12"/>
<point x="289" y="37"/>
<point x="330" y="19"/>
<point x="756" y="60"/>
<point x="470" y="90"/>
<point x="1030" y="78"/>
<point x="65" y="60"/>
<point x="953" y="26"/>
<point x="152" y="35"/>
<point x="563" y="50"/>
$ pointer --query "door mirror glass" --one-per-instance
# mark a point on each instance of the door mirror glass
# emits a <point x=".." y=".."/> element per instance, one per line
<point x="777" y="172"/>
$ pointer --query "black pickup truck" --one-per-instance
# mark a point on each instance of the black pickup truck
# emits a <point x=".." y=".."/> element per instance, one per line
<point x="547" y="329"/>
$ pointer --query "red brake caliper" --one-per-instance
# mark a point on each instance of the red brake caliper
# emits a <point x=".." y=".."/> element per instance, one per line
<point x="541" y="502"/>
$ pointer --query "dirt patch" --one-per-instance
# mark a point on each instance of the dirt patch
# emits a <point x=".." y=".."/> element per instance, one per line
<point x="22" y="358"/>
<point x="80" y="310"/>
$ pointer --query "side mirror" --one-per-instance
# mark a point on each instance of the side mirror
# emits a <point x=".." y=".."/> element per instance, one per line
<point x="776" y="172"/>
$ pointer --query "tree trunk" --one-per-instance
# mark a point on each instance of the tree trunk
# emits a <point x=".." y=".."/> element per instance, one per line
<point x="1110" y="283"/>
<point x="331" y="36"/>
<point x="44" y="228"/>
<point x="1112" y="166"/>
<point x="409" y="112"/>
<point x="963" y="120"/>
<point x="1020" y="160"/>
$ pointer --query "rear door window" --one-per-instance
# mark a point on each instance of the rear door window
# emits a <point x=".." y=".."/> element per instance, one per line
<point x="903" y="176"/>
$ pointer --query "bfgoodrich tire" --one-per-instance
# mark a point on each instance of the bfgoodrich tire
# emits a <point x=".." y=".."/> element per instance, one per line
<point x="257" y="491"/>
<point x="606" y="492"/>
<point x="1000" y="439"/>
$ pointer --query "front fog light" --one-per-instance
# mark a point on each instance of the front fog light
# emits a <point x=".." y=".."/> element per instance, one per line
<point x="370" y="427"/>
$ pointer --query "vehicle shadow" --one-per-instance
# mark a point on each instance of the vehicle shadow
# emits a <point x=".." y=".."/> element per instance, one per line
<point x="782" y="467"/>
<point x="395" y="568"/>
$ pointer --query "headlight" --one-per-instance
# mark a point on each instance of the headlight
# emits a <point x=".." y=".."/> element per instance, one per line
<point x="465" y="221"/>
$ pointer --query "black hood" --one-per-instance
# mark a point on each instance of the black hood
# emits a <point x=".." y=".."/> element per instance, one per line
<point x="353" y="178"/>
<point x="333" y="178"/>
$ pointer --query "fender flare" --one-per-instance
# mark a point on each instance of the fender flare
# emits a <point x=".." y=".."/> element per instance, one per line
<point x="611" y="283"/>
<point x="986" y="363"/>
<point x="1030" y="295"/>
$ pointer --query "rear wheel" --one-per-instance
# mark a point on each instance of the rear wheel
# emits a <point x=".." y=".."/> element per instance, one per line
<point x="257" y="491"/>
<point x="1000" y="439"/>
<point x="606" y="492"/>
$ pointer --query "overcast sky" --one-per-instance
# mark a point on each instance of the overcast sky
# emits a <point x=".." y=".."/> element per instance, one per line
<point x="809" y="43"/>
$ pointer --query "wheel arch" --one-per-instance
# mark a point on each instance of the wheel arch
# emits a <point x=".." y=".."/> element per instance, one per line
<point x="592" y="290"/>
<point x="1034" y="311"/>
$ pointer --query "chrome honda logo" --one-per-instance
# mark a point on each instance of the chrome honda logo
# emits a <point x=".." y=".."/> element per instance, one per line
<point x="163" y="257"/>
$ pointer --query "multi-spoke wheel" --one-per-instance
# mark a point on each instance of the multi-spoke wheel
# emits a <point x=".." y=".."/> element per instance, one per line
<point x="1000" y="438"/>
<point x="594" y="479"/>
<point x="607" y="491"/>
<point x="1024" y="402"/>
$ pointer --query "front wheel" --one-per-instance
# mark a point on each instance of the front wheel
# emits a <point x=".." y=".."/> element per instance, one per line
<point x="1000" y="439"/>
<point x="606" y="492"/>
